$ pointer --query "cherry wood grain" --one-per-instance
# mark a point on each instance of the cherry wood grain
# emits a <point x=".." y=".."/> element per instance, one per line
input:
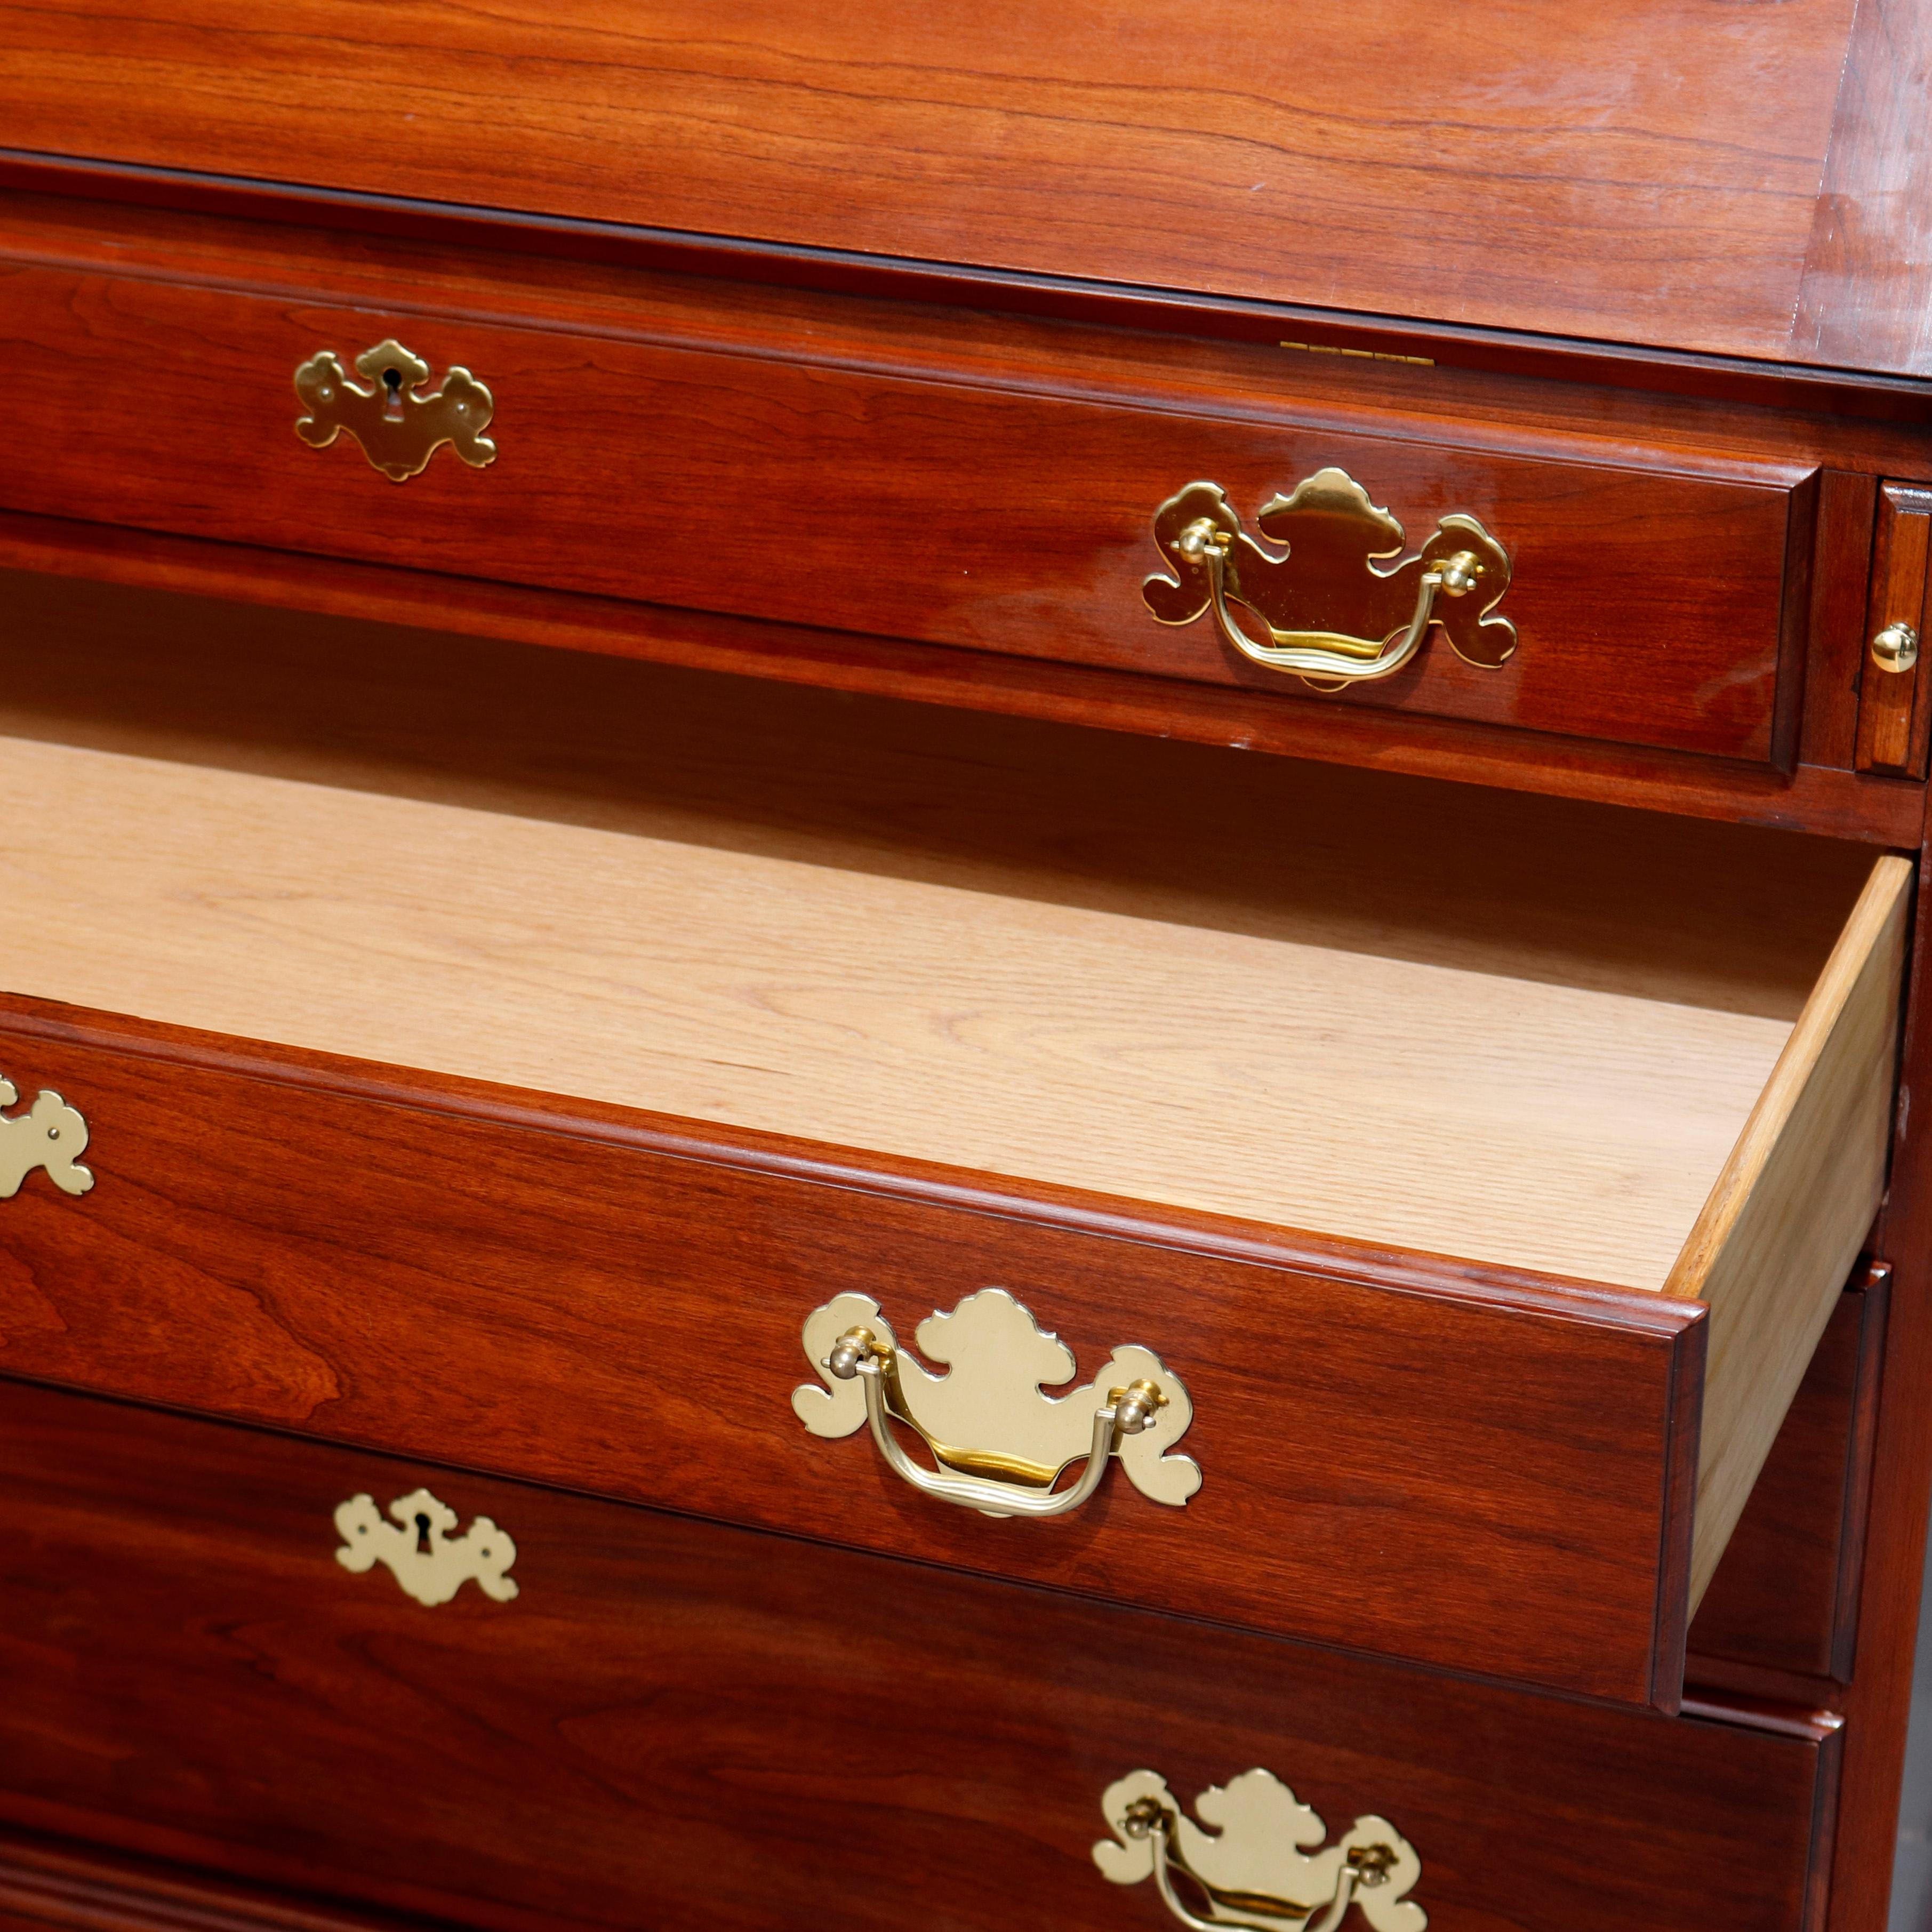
<point x="1658" y="183"/>
<point x="1441" y="1462"/>
<point x="47" y="1881"/>
<point x="1785" y="1597"/>
<point x="1894" y="721"/>
<point x="676" y="1724"/>
<point x="1847" y="510"/>
<point x="958" y="511"/>
<point x="1880" y="1695"/>
<point x="1873" y="396"/>
<point x="1863" y="298"/>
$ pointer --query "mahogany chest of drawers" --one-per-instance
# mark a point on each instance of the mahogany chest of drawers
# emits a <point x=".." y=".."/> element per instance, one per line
<point x="962" y="972"/>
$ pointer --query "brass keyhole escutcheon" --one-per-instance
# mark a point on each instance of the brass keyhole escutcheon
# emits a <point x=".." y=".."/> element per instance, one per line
<point x="399" y="422"/>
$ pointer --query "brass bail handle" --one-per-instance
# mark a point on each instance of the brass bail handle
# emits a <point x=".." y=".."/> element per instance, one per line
<point x="1328" y="655"/>
<point x="999" y="1444"/>
<point x="1252" y="1873"/>
<point x="1339" y="603"/>
<point x="1125" y="1412"/>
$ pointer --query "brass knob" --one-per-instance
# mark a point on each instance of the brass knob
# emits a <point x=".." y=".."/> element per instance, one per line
<point x="1895" y="648"/>
<point x="854" y="1346"/>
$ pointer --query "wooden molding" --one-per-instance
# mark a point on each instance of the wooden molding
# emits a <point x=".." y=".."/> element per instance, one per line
<point x="45" y="1882"/>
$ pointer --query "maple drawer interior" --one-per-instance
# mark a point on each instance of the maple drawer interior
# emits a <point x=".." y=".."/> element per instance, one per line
<point x="1602" y="1045"/>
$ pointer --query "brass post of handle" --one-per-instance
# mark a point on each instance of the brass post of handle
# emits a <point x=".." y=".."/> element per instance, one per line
<point x="999" y="1444"/>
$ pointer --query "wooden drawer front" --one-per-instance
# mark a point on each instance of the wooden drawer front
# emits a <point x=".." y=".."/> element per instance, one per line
<point x="986" y="502"/>
<point x="1495" y="1480"/>
<point x="675" y="1724"/>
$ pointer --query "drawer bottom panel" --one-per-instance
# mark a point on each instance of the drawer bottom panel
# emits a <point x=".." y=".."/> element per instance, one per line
<point x="673" y="1724"/>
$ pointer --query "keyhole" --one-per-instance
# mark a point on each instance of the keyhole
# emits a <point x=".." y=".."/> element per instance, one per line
<point x="422" y="1537"/>
<point x="392" y="381"/>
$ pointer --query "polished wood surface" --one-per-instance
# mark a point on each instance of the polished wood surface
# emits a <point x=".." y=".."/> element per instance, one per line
<point x="1863" y="301"/>
<point x="677" y="1725"/>
<point x="1490" y="1472"/>
<point x="1659" y="183"/>
<point x="1785" y="1597"/>
<point x="47" y="1881"/>
<point x="1871" y="398"/>
<point x="1655" y="607"/>
<point x="1894" y="723"/>
<point x="1790" y="1212"/>
<point x="1880" y="1696"/>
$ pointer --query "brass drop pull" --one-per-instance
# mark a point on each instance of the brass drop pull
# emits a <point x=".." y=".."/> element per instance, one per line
<point x="1250" y="1871"/>
<point x="398" y="425"/>
<point x="1339" y="604"/>
<point x="999" y="1444"/>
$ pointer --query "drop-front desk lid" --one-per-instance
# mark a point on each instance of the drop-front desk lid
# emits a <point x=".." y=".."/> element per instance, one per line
<point x="1745" y="180"/>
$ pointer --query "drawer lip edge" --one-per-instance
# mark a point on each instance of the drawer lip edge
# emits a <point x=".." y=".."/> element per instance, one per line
<point x="1643" y="1316"/>
<point x="1839" y="388"/>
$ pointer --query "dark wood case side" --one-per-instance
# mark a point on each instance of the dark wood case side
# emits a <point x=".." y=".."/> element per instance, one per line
<point x="1878" y="1700"/>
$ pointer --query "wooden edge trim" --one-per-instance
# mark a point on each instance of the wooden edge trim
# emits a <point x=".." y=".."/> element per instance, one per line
<point x="1896" y="396"/>
<point x="1874" y="809"/>
<point x="47" y="1881"/>
<point x="1682" y="1459"/>
<point x="1882" y="901"/>
<point x="1398" y="1271"/>
<point x="1754" y="1714"/>
<point x="1876" y="1285"/>
<point x="1794" y="629"/>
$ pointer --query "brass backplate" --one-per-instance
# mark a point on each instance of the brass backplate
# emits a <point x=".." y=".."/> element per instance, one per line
<point x="1338" y="602"/>
<point x="429" y="1563"/>
<point x="50" y="1134"/>
<point x="399" y="425"/>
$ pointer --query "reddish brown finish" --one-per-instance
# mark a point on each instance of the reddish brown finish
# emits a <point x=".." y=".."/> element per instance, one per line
<point x="1659" y="183"/>
<point x="49" y="1882"/>
<point x="1491" y="1472"/>
<point x="1899" y="400"/>
<point x="1894" y="721"/>
<point x="1880" y="1695"/>
<point x="1864" y="299"/>
<point x="1785" y="1597"/>
<point x="1656" y="609"/>
<point x="1846" y="508"/>
<point x="677" y="1725"/>
<point x="1817" y="798"/>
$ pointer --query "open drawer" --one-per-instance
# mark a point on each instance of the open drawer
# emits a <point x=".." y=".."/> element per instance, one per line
<point x="525" y="1046"/>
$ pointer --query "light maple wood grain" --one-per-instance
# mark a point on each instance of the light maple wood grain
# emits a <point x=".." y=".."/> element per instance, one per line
<point x="1794" y="1203"/>
<point x="1467" y="1113"/>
